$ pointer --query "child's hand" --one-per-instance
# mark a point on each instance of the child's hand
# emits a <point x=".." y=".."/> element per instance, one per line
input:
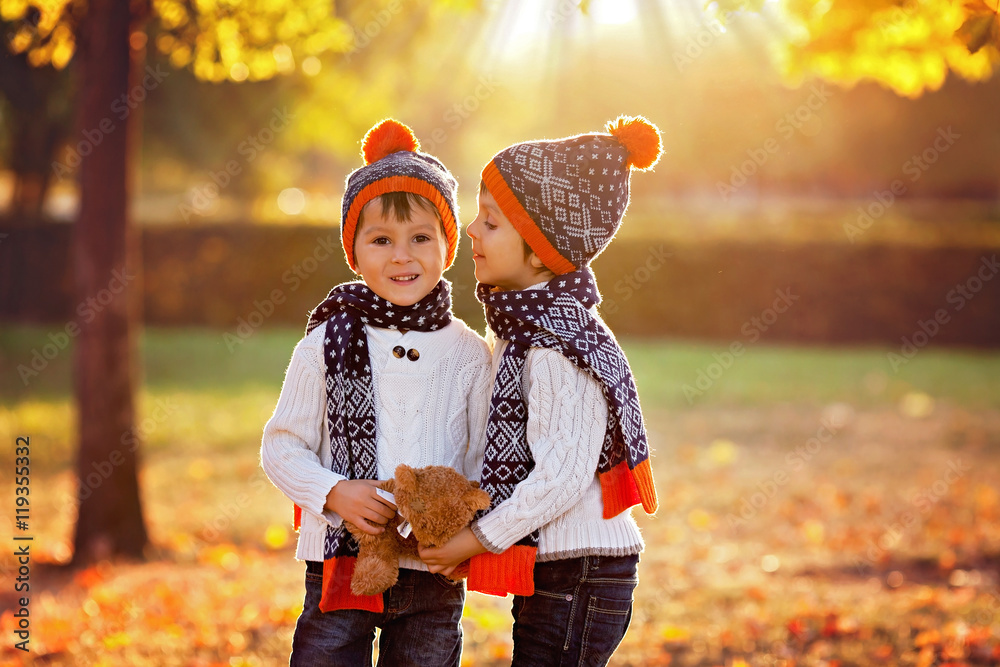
<point x="356" y="500"/>
<point x="444" y="559"/>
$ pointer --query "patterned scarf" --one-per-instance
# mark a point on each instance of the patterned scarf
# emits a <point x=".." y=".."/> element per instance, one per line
<point x="556" y="318"/>
<point x="350" y="406"/>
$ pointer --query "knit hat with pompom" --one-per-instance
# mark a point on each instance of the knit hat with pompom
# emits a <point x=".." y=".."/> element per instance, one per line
<point x="566" y="197"/>
<point x="393" y="163"/>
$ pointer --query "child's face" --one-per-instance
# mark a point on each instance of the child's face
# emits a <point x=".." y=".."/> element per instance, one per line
<point x="400" y="260"/>
<point x="498" y="250"/>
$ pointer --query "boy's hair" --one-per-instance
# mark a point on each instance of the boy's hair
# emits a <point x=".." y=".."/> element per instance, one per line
<point x="524" y="244"/>
<point x="401" y="205"/>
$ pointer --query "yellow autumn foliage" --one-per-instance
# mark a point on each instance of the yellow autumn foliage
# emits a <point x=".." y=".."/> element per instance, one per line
<point x="217" y="39"/>
<point x="908" y="46"/>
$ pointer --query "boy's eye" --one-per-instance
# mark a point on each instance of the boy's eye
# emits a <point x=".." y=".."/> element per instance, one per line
<point x="489" y="225"/>
<point x="380" y="240"/>
<point x="421" y="238"/>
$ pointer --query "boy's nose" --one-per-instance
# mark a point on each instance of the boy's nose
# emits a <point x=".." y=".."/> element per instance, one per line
<point x="401" y="255"/>
<point x="469" y="230"/>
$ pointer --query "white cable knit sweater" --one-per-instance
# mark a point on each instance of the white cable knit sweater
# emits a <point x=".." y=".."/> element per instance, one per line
<point x="427" y="413"/>
<point x="567" y="418"/>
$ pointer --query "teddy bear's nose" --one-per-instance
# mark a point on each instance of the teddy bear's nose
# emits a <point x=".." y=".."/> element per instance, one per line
<point x="417" y="505"/>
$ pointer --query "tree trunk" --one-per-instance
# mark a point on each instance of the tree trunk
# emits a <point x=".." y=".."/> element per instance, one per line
<point x="110" y="520"/>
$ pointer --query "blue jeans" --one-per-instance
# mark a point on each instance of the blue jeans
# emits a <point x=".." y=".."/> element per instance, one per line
<point x="421" y="625"/>
<point x="578" y="614"/>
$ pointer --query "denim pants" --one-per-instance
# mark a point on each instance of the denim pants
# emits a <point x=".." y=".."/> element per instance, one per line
<point x="578" y="614"/>
<point x="421" y="625"/>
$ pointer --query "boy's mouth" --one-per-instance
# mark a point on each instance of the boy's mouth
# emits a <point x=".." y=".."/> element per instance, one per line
<point x="405" y="280"/>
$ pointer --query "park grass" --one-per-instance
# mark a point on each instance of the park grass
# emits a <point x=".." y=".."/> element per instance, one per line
<point x="199" y="360"/>
<point x="765" y="547"/>
<point x="218" y="398"/>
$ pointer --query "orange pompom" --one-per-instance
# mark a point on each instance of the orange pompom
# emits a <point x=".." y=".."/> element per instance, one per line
<point x="387" y="137"/>
<point x="639" y="137"/>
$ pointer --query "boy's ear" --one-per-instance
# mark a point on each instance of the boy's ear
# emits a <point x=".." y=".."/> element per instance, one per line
<point x="406" y="477"/>
<point x="536" y="263"/>
<point x="476" y="498"/>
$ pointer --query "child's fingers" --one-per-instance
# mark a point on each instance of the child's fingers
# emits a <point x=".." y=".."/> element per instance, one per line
<point x="376" y="513"/>
<point x="366" y="527"/>
<point x="380" y="511"/>
<point x="386" y="504"/>
<point x="380" y="495"/>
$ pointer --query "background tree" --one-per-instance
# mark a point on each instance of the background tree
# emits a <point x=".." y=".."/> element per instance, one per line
<point x="232" y="40"/>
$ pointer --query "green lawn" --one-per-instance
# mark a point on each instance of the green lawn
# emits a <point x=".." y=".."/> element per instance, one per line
<point x="218" y="400"/>
<point x="199" y="360"/>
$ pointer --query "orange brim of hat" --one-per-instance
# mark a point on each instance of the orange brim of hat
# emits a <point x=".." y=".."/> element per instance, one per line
<point x="525" y="226"/>
<point x="399" y="184"/>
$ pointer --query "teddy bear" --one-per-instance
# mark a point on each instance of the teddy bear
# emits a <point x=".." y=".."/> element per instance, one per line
<point x="435" y="501"/>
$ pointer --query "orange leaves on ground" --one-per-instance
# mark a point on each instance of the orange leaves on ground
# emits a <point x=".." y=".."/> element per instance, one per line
<point x="88" y="577"/>
<point x="883" y="653"/>
<point x="927" y="638"/>
<point x="276" y="537"/>
<point x="701" y="520"/>
<point x="154" y="612"/>
<point x="675" y="635"/>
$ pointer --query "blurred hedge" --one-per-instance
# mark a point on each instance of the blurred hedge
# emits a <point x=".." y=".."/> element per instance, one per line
<point x="228" y="276"/>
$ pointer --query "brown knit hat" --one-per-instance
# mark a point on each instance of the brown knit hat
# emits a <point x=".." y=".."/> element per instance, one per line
<point x="566" y="197"/>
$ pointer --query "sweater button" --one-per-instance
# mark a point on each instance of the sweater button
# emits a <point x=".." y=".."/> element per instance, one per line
<point x="569" y="598"/>
<point x="412" y="354"/>
<point x="399" y="351"/>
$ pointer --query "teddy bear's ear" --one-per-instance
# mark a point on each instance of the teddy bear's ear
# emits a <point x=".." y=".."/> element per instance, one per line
<point x="406" y="477"/>
<point x="476" y="498"/>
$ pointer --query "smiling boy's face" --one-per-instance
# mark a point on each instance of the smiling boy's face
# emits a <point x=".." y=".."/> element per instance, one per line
<point x="400" y="260"/>
<point x="498" y="250"/>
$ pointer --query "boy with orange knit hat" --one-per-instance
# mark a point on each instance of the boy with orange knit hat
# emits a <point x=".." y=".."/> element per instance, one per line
<point x="385" y="375"/>
<point x="565" y="455"/>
